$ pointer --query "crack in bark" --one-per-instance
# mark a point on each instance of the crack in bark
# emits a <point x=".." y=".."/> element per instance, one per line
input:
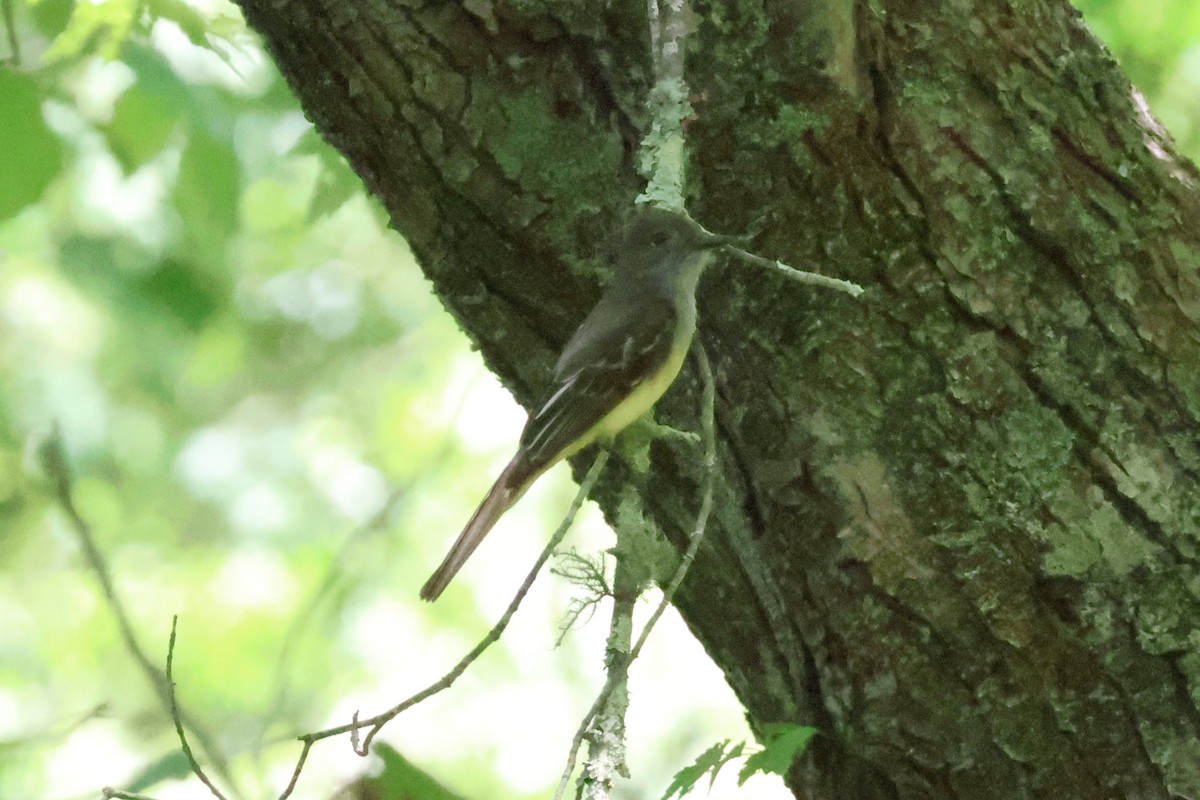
<point x="1128" y="707"/>
<point x="1023" y="227"/>
<point x="1183" y="692"/>
<point x="455" y="142"/>
<point x="591" y="74"/>
<point x="1053" y="253"/>
<point x="1094" y="165"/>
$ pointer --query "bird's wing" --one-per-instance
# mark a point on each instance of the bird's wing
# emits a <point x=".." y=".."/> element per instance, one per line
<point x="610" y="354"/>
<point x="605" y="360"/>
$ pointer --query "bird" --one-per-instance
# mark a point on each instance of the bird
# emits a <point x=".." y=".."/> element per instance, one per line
<point x="614" y="368"/>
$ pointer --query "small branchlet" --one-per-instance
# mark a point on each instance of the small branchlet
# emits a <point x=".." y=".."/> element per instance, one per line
<point x="811" y="278"/>
<point x="588" y="575"/>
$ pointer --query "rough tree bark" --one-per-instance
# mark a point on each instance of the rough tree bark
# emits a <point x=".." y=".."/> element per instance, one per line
<point x="958" y="520"/>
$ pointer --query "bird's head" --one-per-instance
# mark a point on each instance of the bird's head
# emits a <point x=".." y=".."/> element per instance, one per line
<point x="656" y="238"/>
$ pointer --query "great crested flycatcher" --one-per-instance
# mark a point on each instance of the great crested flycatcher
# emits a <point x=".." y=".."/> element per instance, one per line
<point x="621" y="360"/>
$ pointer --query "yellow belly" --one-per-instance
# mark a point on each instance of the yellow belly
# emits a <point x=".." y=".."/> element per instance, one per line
<point x="640" y="400"/>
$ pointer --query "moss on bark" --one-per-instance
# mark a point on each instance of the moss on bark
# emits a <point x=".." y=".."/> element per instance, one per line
<point x="958" y="520"/>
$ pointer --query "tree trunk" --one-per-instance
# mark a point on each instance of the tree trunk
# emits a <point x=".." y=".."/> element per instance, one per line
<point x="958" y="520"/>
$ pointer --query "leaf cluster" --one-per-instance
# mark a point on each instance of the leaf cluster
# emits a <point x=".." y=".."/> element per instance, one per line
<point x="783" y="744"/>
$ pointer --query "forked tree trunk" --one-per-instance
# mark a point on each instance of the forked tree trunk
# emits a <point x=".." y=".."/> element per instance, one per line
<point x="958" y="522"/>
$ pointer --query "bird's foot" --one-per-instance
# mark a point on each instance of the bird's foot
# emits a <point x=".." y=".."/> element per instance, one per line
<point x="656" y="430"/>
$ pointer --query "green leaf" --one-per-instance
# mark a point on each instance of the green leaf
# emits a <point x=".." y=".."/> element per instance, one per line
<point x="171" y="292"/>
<point x="51" y="16"/>
<point x="147" y="113"/>
<point x="99" y="27"/>
<point x="193" y="24"/>
<point x="182" y="292"/>
<point x="785" y="742"/>
<point x="710" y="761"/>
<point x="400" y="780"/>
<point x="140" y="128"/>
<point x="208" y="191"/>
<point x="172" y="765"/>
<point x="32" y="154"/>
<point x="214" y="31"/>
<point x="271" y="205"/>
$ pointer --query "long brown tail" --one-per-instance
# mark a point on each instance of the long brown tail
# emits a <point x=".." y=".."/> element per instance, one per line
<point x="507" y="490"/>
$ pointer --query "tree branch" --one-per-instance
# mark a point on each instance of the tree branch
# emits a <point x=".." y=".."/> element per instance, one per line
<point x="618" y="669"/>
<point x="178" y="720"/>
<point x="374" y="724"/>
<point x="54" y="463"/>
<point x="10" y="25"/>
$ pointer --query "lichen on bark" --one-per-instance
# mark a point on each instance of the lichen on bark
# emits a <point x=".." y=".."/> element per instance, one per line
<point x="975" y="488"/>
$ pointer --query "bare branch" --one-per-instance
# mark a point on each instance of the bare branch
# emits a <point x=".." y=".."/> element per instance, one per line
<point x="605" y="735"/>
<point x="655" y="35"/>
<point x="618" y="670"/>
<point x="662" y="156"/>
<point x="708" y="426"/>
<point x="178" y="720"/>
<point x="374" y="724"/>
<point x="849" y="287"/>
<point x="54" y="463"/>
<point x="108" y="792"/>
<point x="308" y="612"/>
<point x="586" y="573"/>
<point x="675" y="20"/>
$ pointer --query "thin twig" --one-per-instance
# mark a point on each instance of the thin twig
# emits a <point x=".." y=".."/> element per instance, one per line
<point x="14" y="44"/>
<point x="663" y="161"/>
<point x="54" y="730"/>
<point x="606" y="734"/>
<point x="581" y="731"/>
<point x="617" y="673"/>
<point x="662" y="158"/>
<point x="308" y="612"/>
<point x="708" y="429"/>
<point x="588" y="574"/>
<point x="655" y="35"/>
<point x="54" y="463"/>
<point x="374" y="724"/>
<point x="674" y="38"/>
<point x="178" y="720"/>
<point x="108" y="792"/>
<point x="850" y="288"/>
<point x="334" y="572"/>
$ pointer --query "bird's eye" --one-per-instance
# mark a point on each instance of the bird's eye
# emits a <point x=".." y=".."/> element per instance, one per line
<point x="659" y="239"/>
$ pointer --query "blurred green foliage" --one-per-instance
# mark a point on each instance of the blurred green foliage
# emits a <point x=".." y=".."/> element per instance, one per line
<point x="259" y="398"/>
<point x="195" y="288"/>
<point x="1157" y="42"/>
